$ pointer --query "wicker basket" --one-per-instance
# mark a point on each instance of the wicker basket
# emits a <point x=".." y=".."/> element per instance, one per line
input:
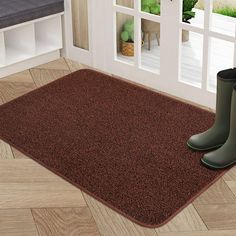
<point x="127" y="49"/>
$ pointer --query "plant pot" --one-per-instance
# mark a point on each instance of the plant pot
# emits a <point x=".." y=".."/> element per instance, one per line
<point x="150" y="26"/>
<point x="185" y="36"/>
<point x="127" y="48"/>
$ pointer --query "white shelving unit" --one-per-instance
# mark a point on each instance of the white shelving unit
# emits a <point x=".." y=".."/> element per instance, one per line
<point x="30" y="43"/>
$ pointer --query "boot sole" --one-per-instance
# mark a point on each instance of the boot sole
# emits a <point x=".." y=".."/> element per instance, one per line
<point x="217" y="167"/>
<point x="203" y="149"/>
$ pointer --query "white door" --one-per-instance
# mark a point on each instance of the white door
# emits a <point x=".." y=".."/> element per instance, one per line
<point x="183" y="69"/>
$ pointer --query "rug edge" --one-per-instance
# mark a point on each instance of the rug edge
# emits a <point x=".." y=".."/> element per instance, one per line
<point x="121" y="80"/>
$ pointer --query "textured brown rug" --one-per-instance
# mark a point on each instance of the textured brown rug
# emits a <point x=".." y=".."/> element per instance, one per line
<point x="122" y="144"/>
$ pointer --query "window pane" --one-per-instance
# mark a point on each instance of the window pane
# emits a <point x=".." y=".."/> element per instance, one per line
<point x="125" y="37"/>
<point x="151" y="45"/>
<point x="191" y="58"/>
<point x="221" y="58"/>
<point x="224" y="17"/>
<point x="151" y="6"/>
<point x="80" y="23"/>
<point x="125" y="3"/>
<point x="193" y="12"/>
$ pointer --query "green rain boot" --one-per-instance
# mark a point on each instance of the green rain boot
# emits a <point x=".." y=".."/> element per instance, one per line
<point x="217" y="135"/>
<point x="226" y="155"/>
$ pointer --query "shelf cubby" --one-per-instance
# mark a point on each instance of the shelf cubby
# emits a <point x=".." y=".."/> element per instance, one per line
<point x="19" y="44"/>
<point x="48" y="35"/>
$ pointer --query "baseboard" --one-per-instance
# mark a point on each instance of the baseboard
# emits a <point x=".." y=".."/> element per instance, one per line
<point x="27" y="64"/>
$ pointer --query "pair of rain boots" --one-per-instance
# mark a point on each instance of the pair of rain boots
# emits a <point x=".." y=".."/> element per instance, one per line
<point x="221" y="137"/>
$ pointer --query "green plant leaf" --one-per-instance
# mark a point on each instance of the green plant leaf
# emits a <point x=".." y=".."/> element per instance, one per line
<point x="227" y="11"/>
<point x="125" y="36"/>
<point x="145" y="8"/>
<point x="190" y="13"/>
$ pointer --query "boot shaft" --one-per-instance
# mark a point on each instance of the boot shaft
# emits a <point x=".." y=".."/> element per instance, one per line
<point x="225" y="83"/>
<point x="232" y="134"/>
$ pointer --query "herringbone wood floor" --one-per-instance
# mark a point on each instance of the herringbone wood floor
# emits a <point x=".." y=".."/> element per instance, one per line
<point x="33" y="201"/>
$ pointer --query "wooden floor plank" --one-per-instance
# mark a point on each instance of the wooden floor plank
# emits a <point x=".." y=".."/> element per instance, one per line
<point x="17" y="222"/>
<point x="219" y="193"/>
<point x="232" y="186"/>
<point x="230" y="175"/>
<point x="44" y="76"/>
<point x="16" y="85"/>
<point x="25" y="171"/>
<point x="49" y="72"/>
<point x="111" y="223"/>
<point x="205" y="233"/>
<point x="17" y="154"/>
<point x="74" y="66"/>
<point x="65" y="222"/>
<point x="39" y="195"/>
<point x="12" y="90"/>
<point x="59" y="64"/>
<point x="21" y="77"/>
<point x="5" y="151"/>
<point x="186" y="220"/>
<point x="25" y="184"/>
<point x="218" y="217"/>
<point x="18" y="234"/>
<point x="1" y="99"/>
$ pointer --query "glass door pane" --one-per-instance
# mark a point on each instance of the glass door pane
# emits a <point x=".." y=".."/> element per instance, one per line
<point x="221" y="58"/>
<point x="125" y="38"/>
<point x="151" y="33"/>
<point x="80" y="23"/>
<point x="192" y="42"/>
<point x="193" y="12"/>
<point x="191" y="58"/>
<point x="152" y="7"/>
<point x="125" y="3"/>
<point x="224" y="17"/>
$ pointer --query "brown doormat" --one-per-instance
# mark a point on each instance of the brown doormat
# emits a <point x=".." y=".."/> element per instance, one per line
<point x="122" y="144"/>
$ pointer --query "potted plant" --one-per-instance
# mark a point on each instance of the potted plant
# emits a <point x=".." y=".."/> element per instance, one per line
<point x="188" y="14"/>
<point x="127" y="38"/>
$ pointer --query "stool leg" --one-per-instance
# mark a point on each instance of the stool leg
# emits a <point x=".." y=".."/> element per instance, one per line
<point x="158" y="41"/>
<point x="144" y="36"/>
<point x="149" y="41"/>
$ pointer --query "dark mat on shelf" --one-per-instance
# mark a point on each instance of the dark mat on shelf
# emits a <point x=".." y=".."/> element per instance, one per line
<point x="13" y="12"/>
<point x="120" y="143"/>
